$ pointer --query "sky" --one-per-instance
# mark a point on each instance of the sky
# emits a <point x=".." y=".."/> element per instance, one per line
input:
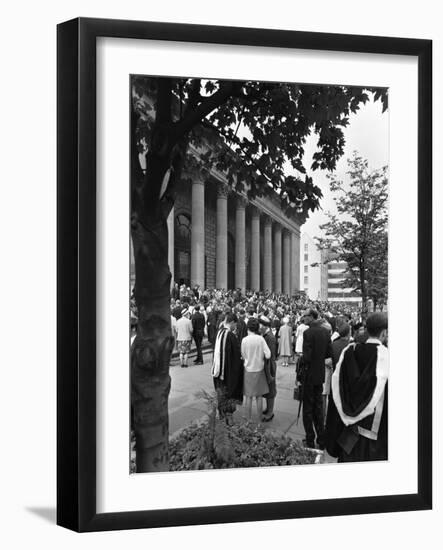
<point x="368" y="134"/>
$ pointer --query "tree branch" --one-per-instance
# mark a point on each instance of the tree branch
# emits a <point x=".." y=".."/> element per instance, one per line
<point x="206" y="106"/>
<point x="245" y="154"/>
<point x="136" y="171"/>
<point x="164" y="101"/>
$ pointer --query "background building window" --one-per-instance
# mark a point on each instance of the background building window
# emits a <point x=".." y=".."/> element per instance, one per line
<point x="182" y="249"/>
<point x="306" y="268"/>
<point x="306" y="257"/>
<point x="306" y="280"/>
<point x="306" y="247"/>
<point x="183" y="231"/>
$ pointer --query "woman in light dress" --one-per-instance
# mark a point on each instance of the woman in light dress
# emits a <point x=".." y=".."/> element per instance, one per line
<point x="285" y="342"/>
<point x="254" y="351"/>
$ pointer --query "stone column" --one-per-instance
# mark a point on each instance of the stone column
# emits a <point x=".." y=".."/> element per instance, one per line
<point x="277" y="258"/>
<point x="198" y="233"/>
<point x="267" y="255"/>
<point x="240" y="244"/>
<point x="255" y="249"/>
<point x="171" y="220"/>
<point x="221" y="254"/>
<point x="286" y="262"/>
<point x="295" y="263"/>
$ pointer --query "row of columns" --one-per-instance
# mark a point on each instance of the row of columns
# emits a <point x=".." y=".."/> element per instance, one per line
<point x="280" y="259"/>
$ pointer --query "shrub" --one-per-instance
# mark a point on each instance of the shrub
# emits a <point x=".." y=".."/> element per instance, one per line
<point x="213" y="445"/>
<point x="237" y="446"/>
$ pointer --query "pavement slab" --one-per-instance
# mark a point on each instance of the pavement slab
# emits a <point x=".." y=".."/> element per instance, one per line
<point x="186" y="407"/>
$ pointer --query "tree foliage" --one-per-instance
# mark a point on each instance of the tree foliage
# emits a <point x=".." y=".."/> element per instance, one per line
<point x="357" y="234"/>
<point x="253" y="132"/>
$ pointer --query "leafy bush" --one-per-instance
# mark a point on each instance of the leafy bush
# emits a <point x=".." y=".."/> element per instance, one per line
<point x="213" y="445"/>
<point x="237" y="446"/>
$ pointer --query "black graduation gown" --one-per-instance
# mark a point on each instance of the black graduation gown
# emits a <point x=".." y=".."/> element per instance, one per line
<point x="357" y="384"/>
<point x="233" y="373"/>
<point x="242" y="330"/>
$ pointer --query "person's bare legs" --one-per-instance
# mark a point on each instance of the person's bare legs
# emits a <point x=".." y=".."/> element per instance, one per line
<point x="325" y="406"/>
<point x="259" y="402"/>
<point x="248" y="407"/>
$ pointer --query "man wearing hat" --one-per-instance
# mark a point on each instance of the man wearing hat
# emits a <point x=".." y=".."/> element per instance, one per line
<point x="270" y="368"/>
<point x="184" y="336"/>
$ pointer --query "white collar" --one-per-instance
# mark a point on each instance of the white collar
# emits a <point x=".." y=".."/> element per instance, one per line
<point x="372" y="340"/>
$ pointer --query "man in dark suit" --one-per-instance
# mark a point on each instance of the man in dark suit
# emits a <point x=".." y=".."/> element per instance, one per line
<point x="270" y="368"/>
<point x="241" y="330"/>
<point x="198" y="328"/>
<point x="316" y="348"/>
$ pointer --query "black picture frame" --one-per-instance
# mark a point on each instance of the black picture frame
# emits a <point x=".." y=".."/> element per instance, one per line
<point x="76" y="273"/>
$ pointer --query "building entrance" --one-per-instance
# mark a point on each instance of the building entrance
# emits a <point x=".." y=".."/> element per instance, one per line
<point x="182" y="250"/>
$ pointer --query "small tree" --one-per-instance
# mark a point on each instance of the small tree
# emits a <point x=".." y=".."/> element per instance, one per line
<point x="357" y="234"/>
<point x="377" y="273"/>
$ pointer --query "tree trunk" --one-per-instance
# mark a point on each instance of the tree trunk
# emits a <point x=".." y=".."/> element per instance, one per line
<point x="150" y="207"/>
<point x="151" y="351"/>
<point x="364" y="297"/>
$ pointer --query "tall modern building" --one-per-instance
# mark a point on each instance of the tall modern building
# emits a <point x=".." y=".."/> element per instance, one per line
<point x="338" y="290"/>
<point x="321" y="276"/>
<point x="313" y="274"/>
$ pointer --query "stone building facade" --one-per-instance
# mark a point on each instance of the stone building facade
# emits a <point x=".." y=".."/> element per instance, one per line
<point x="220" y="239"/>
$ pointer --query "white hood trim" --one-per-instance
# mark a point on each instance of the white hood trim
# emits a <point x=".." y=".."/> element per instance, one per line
<point x="382" y="372"/>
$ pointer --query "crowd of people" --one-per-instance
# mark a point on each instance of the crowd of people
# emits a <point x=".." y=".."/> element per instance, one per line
<point x="340" y="360"/>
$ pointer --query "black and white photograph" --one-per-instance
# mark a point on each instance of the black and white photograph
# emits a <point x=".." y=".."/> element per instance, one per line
<point x="258" y="292"/>
<point x="221" y="274"/>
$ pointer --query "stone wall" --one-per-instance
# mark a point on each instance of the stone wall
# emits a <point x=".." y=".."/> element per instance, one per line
<point x="183" y="205"/>
<point x="210" y="244"/>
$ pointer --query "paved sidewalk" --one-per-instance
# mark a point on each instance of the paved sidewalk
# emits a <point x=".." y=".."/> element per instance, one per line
<point x="186" y="408"/>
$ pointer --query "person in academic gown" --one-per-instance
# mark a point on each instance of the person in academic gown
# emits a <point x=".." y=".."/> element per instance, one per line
<point x="227" y="368"/>
<point x="357" y="420"/>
